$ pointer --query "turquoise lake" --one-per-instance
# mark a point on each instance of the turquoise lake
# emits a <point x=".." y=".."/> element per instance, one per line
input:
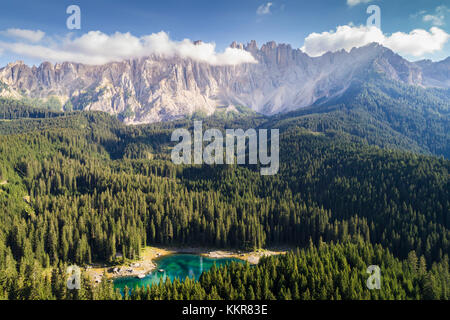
<point x="174" y="266"/>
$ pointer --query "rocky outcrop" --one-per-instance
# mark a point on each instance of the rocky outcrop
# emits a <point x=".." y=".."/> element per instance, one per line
<point x="156" y="88"/>
<point x="435" y="74"/>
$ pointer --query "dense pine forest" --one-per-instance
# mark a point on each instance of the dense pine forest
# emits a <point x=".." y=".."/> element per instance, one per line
<point x="323" y="272"/>
<point x="80" y="187"/>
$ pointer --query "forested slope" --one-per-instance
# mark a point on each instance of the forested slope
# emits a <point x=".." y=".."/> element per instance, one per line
<point x="381" y="112"/>
<point x="80" y="187"/>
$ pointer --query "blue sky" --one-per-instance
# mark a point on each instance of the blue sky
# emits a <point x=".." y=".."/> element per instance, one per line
<point x="219" y="22"/>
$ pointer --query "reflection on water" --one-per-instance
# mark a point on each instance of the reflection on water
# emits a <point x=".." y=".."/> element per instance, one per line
<point x="174" y="266"/>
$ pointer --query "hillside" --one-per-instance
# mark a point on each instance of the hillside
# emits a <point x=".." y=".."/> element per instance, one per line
<point x="381" y="112"/>
<point x="82" y="186"/>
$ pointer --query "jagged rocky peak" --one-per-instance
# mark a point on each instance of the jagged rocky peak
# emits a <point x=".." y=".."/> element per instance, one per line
<point x="252" y="47"/>
<point x="158" y="88"/>
<point x="236" y="45"/>
<point x="16" y="65"/>
<point x="435" y="74"/>
<point x="17" y="73"/>
<point x="271" y="52"/>
<point x="281" y="54"/>
<point x="269" y="46"/>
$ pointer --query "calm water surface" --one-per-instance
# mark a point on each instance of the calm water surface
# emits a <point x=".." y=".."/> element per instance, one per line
<point x="174" y="266"/>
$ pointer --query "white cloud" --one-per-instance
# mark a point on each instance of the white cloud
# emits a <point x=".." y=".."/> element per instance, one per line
<point x="438" y="18"/>
<point x="96" y="47"/>
<point x="416" y="43"/>
<point x="352" y="3"/>
<point x="418" y="14"/>
<point x="264" y="9"/>
<point x="435" y="20"/>
<point x="30" y="35"/>
<point x="345" y="37"/>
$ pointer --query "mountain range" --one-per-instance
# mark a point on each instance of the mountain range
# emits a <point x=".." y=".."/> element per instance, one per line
<point x="157" y="88"/>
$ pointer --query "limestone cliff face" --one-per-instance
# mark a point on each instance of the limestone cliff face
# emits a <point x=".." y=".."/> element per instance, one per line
<point x="156" y="88"/>
<point x="436" y="74"/>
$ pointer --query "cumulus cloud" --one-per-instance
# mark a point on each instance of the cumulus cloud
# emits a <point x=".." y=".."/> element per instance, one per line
<point x="345" y="37"/>
<point x="416" y="43"/>
<point x="264" y="9"/>
<point x="96" y="47"/>
<point x="29" y="35"/>
<point x="352" y="3"/>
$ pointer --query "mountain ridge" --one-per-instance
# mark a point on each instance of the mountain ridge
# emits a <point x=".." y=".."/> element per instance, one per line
<point x="156" y="88"/>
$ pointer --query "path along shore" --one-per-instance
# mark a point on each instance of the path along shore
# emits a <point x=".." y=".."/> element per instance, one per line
<point x="146" y="264"/>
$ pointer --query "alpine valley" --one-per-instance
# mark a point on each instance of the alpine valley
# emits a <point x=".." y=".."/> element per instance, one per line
<point x="86" y="176"/>
<point x="370" y="91"/>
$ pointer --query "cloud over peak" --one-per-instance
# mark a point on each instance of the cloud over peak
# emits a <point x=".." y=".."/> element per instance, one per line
<point x="96" y="47"/>
<point x="416" y="43"/>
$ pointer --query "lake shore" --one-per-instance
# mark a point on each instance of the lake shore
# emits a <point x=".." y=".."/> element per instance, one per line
<point x="146" y="264"/>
